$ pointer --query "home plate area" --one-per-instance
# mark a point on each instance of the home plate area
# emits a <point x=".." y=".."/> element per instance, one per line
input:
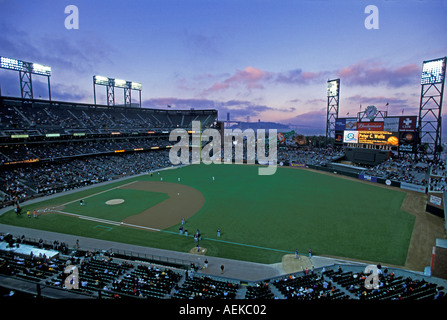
<point x="200" y="250"/>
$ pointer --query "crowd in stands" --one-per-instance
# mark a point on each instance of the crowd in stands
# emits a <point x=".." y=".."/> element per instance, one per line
<point x="438" y="175"/>
<point x="205" y="287"/>
<point x="101" y="274"/>
<point x="60" y="150"/>
<point x="389" y="286"/>
<point x="45" y="118"/>
<point x="404" y="169"/>
<point x="21" y="183"/>
<point x="424" y="172"/>
<point x="146" y="281"/>
<point x="308" y="287"/>
<point x="312" y="156"/>
<point x="437" y="184"/>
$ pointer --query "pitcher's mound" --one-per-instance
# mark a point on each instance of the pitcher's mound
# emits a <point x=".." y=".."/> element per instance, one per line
<point x="202" y="250"/>
<point x="290" y="264"/>
<point x="114" y="201"/>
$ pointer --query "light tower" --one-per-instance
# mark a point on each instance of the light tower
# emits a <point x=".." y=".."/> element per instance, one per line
<point x="333" y="95"/>
<point x="430" y="108"/>
<point x="111" y="84"/>
<point x="26" y="69"/>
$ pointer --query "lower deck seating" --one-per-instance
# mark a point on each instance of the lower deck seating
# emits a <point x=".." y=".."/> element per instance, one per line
<point x="101" y="275"/>
<point x="203" y="287"/>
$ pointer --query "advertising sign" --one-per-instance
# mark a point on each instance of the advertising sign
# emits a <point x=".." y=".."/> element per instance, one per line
<point x="407" y="141"/>
<point x="369" y="126"/>
<point x="391" y="124"/>
<point x="338" y="137"/>
<point x="412" y="187"/>
<point x="351" y="137"/>
<point x="340" y="124"/>
<point x="407" y="123"/>
<point x="351" y="124"/>
<point x="367" y="178"/>
<point x="435" y="199"/>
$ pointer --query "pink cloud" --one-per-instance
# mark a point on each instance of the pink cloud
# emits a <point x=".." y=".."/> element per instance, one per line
<point x="219" y="86"/>
<point x="250" y="78"/>
<point x="368" y="72"/>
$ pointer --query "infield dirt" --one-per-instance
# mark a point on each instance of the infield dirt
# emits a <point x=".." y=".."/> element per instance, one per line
<point x="183" y="202"/>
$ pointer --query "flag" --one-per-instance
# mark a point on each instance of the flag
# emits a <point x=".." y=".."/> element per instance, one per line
<point x="347" y="114"/>
<point x="169" y="106"/>
<point x="387" y="103"/>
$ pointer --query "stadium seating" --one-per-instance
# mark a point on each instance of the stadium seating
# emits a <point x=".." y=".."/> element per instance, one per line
<point x="403" y="170"/>
<point x="41" y="117"/>
<point x="205" y="287"/>
<point x="67" y="175"/>
<point x="259" y="290"/>
<point x="102" y="274"/>
<point x="308" y="287"/>
<point x="390" y="286"/>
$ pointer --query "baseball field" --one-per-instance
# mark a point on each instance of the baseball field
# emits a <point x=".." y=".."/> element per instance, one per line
<point x="261" y="218"/>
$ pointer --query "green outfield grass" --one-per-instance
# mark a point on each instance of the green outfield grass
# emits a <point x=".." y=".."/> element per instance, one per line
<point x="261" y="217"/>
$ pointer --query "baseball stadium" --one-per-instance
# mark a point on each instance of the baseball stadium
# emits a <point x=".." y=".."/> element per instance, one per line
<point x="95" y="198"/>
<point x="95" y="204"/>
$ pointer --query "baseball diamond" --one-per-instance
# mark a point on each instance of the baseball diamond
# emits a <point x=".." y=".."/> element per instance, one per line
<point x="313" y="212"/>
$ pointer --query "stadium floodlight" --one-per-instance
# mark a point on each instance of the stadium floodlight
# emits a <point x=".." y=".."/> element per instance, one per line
<point x="433" y="71"/>
<point x="136" y="86"/>
<point x="11" y="64"/>
<point x="41" y="69"/>
<point x="25" y="70"/>
<point x="332" y="88"/>
<point x="23" y="66"/>
<point x="120" y="83"/>
<point x="111" y="84"/>
<point x="101" y="80"/>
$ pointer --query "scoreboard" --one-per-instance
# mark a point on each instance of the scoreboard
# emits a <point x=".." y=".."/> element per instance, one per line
<point x="379" y="138"/>
<point x="393" y="134"/>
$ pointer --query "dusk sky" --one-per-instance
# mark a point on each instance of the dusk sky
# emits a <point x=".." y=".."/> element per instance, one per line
<point x="262" y="59"/>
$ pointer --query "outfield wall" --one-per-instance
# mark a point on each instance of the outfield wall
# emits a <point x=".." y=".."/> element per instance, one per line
<point x="356" y="175"/>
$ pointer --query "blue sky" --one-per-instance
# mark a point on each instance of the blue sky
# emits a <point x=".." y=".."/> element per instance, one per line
<point x="261" y="59"/>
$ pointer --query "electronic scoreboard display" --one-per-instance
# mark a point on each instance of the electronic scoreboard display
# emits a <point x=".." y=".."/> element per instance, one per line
<point x="378" y="138"/>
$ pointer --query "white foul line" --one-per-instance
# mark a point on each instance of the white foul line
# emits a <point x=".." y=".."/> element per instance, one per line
<point x="115" y="223"/>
